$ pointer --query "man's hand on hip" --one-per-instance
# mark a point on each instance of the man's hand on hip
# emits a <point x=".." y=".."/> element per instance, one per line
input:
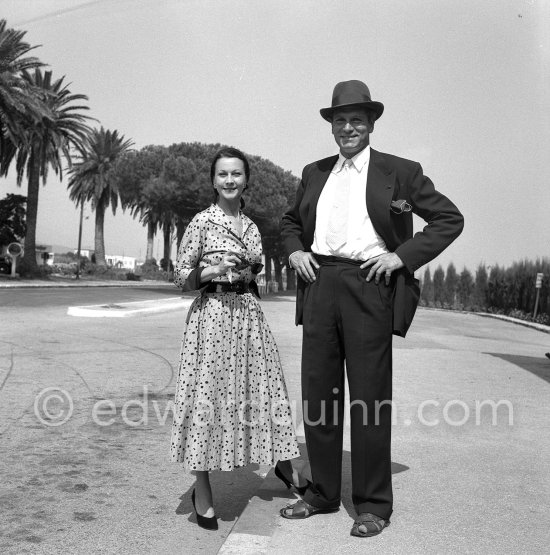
<point x="305" y="265"/>
<point x="384" y="264"/>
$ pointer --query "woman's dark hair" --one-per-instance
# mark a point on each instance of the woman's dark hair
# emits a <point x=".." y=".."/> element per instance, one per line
<point x="229" y="152"/>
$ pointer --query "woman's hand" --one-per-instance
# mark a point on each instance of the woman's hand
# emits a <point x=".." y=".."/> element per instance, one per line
<point x="228" y="261"/>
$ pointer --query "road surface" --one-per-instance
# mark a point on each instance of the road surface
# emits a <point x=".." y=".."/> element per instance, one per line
<point x="101" y="480"/>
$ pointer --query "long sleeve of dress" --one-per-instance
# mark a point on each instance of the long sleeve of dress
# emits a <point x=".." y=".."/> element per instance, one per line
<point x="187" y="274"/>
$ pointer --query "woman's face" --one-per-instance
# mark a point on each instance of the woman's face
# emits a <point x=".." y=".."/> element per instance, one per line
<point x="229" y="179"/>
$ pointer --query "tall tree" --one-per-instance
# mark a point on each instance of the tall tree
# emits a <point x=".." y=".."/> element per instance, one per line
<point x="270" y="194"/>
<point x="439" y="286"/>
<point x="465" y="289"/>
<point x="19" y="102"/>
<point x="47" y="143"/>
<point x="451" y="285"/>
<point x="169" y="187"/>
<point x="497" y="290"/>
<point x="136" y="173"/>
<point x="480" y="287"/>
<point x="181" y="173"/>
<point x="160" y="197"/>
<point x="427" y="293"/>
<point x="93" y="178"/>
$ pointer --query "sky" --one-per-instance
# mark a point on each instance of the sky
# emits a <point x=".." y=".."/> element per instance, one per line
<point x="465" y="84"/>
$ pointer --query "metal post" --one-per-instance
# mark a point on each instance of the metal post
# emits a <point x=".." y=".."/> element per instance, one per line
<point x="538" y="285"/>
<point x="79" y="239"/>
<point x="536" y="304"/>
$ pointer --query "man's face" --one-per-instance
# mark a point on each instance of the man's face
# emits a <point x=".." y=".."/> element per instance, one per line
<point x="351" y="128"/>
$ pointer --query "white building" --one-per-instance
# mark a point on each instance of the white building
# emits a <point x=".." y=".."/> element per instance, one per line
<point x="113" y="260"/>
<point x="116" y="261"/>
<point x="44" y="255"/>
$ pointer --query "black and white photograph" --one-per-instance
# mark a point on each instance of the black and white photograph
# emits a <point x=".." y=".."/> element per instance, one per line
<point x="274" y="277"/>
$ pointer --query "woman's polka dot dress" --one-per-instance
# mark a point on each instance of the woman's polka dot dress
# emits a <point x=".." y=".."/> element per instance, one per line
<point x="231" y="406"/>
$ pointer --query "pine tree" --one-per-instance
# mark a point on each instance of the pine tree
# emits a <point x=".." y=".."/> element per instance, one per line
<point x="427" y="294"/>
<point x="451" y="286"/>
<point x="480" y="287"/>
<point x="465" y="289"/>
<point x="439" y="286"/>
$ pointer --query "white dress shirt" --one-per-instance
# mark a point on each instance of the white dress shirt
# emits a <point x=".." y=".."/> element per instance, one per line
<point x="362" y="240"/>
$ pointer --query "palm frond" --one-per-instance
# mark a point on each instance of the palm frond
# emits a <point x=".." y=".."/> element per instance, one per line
<point x="93" y="176"/>
<point x="52" y="138"/>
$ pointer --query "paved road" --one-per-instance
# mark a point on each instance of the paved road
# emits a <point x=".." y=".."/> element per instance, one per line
<point x="62" y="297"/>
<point x="101" y="482"/>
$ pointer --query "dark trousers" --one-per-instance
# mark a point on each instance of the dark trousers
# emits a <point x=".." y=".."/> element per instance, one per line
<point x="348" y="319"/>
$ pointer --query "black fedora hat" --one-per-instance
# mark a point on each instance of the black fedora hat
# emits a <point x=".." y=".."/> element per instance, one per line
<point x="352" y="93"/>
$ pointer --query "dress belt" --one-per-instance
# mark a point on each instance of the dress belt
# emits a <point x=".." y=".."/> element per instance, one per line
<point x="239" y="287"/>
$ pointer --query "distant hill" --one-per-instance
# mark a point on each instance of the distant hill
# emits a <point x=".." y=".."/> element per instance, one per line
<point x="60" y="249"/>
<point x="57" y="249"/>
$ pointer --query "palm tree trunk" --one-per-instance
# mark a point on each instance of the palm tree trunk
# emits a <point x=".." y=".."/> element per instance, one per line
<point x="28" y="264"/>
<point x="99" y="236"/>
<point x="150" y="242"/>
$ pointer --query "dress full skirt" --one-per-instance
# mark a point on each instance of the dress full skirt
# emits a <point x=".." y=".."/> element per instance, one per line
<point x="231" y="406"/>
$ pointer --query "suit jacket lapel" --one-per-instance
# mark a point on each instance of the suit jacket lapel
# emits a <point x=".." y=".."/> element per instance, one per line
<point x="380" y="189"/>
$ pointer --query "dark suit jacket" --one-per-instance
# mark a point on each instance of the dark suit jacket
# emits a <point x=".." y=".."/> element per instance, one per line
<point x="389" y="178"/>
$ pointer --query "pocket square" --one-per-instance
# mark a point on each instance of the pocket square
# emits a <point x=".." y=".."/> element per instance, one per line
<point x="399" y="206"/>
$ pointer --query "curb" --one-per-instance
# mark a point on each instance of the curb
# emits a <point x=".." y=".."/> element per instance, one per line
<point x="124" y="310"/>
<point x="252" y="532"/>
<point x="78" y="284"/>
<point x="526" y="323"/>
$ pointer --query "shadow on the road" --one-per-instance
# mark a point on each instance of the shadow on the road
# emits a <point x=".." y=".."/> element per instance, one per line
<point x="302" y="464"/>
<point x="231" y="490"/>
<point x="347" y="503"/>
<point x="539" y="366"/>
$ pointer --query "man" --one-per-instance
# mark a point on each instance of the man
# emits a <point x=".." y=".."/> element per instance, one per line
<point x="349" y="236"/>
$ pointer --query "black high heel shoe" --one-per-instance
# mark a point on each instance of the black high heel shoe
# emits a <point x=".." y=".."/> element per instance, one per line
<point x="206" y="522"/>
<point x="300" y="489"/>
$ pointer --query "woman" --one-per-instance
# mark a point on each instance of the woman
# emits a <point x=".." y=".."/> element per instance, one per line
<point x="231" y="406"/>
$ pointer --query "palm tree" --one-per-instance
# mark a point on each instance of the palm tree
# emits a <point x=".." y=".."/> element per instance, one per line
<point x="93" y="179"/>
<point x="47" y="143"/>
<point x="150" y="216"/>
<point x="18" y="100"/>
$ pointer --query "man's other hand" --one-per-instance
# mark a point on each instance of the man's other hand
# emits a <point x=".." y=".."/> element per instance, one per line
<point x="384" y="264"/>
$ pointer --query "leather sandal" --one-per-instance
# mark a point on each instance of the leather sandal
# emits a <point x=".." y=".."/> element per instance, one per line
<point x="301" y="509"/>
<point x="367" y="525"/>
